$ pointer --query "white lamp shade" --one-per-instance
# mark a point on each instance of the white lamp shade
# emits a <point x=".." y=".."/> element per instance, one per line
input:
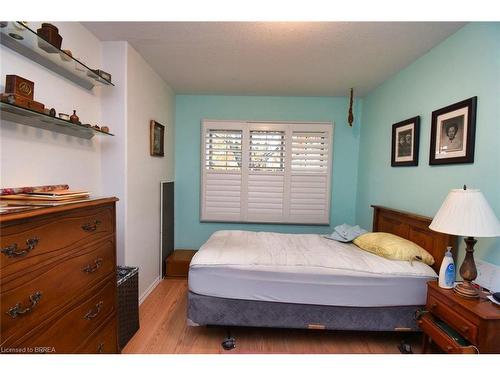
<point x="466" y="213"/>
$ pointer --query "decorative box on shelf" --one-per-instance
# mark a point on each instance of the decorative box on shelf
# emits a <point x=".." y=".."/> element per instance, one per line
<point x="27" y="42"/>
<point x="20" y="115"/>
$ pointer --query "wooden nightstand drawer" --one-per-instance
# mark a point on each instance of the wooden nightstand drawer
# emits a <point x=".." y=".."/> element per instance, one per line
<point x="466" y="328"/>
<point x="441" y="338"/>
<point x="475" y="319"/>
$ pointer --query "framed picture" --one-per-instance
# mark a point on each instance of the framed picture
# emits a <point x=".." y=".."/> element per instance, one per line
<point x="157" y="135"/>
<point x="405" y="139"/>
<point x="453" y="132"/>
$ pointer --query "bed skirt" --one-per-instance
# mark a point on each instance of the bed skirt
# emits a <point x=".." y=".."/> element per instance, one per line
<point x="207" y="310"/>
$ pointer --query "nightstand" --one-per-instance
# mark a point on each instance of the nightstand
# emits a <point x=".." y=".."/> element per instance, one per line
<point x="476" y="320"/>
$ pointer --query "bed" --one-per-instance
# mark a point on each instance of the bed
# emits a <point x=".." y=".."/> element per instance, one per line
<point x="262" y="279"/>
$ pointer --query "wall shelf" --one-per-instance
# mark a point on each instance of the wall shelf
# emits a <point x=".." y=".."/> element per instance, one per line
<point x="26" y="42"/>
<point x="10" y="112"/>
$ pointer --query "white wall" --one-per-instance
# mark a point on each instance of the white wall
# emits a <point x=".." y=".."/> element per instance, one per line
<point x="139" y="96"/>
<point x="148" y="98"/>
<point x="114" y="152"/>
<point x="30" y="156"/>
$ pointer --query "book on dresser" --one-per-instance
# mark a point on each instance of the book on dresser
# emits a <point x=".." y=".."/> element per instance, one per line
<point x="58" y="279"/>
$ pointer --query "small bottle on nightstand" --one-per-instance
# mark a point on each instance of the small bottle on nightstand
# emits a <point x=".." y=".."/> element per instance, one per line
<point x="447" y="271"/>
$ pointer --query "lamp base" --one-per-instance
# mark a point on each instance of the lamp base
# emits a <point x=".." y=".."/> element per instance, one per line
<point x="466" y="290"/>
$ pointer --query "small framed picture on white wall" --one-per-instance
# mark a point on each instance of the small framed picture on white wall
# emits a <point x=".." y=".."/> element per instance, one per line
<point x="157" y="137"/>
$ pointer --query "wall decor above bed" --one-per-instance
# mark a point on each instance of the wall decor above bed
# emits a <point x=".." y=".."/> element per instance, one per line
<point x="453" y="132"/>
<point x="405" y="139"/>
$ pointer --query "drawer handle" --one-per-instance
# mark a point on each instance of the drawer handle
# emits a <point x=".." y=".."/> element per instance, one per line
<point x="100" y="348"/>
<point x="91" y="227"/>
<point x="94" y="311"/>
<point x="92" y="268"/>
<point x="465" y="329"/>
<point x="12" y="252"/>
<point x="17" y="310"/>
<point x="433" y="306"/>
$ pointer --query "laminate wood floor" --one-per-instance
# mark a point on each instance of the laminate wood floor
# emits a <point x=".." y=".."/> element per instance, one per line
<point x="164" y="330"/>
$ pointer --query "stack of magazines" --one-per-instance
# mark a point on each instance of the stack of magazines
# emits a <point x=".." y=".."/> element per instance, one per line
<point x="45" y="198"/>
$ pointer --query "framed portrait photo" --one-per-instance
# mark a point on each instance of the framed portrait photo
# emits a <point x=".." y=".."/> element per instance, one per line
<point x="453" y="132"/>
<point x="157" y="135"/>
<point x="405" y="139"/>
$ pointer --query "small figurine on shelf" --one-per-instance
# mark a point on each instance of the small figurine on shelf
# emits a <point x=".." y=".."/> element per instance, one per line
<point x="105" y="129"/>
<point x="74" y="118"/>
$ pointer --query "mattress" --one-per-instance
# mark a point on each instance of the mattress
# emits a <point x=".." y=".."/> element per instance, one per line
<point x="304" y="269"/>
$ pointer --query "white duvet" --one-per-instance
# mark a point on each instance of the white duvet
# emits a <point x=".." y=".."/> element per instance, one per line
<point x="246" y="249"/>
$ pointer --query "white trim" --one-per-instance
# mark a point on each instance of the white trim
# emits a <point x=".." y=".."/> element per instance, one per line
<point x="148" y="291"/>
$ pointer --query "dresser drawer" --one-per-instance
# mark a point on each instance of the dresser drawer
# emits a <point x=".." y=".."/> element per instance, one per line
<point x="441" y="339"/>
<point x="466" y="328"/>
<point x="24" y="245"/>
<point x="41" y="294"/>
<point x="76" y="325"/>
<point x="103" y="341"/>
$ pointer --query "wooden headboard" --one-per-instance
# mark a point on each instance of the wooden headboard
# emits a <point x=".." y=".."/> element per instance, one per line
<point x="416" y="229"/>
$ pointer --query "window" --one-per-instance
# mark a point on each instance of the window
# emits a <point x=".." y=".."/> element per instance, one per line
<point x="266" y="172"/>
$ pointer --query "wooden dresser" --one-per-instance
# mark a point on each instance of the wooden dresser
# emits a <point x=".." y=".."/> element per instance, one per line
<point x="476" y="320"/>
<point x="58" y="279"/>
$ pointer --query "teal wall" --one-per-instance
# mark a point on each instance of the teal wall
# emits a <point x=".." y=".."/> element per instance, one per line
<point x="464" y="65"/>
<point x="191" y="109"/>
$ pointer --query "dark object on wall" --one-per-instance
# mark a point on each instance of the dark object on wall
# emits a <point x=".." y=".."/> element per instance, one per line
<point x="21" y="101"/>
<point x="50" y="33"/>
<point x="405" y="140"/>
<point x="128" y="303"/>
<point x="350" y="117"/>
<point x="103" y="74"/>
<point x="74" y="118"/>
<point x="157" y="136"/>
<point x="19" y="86"/>
<point x="453" y="133"/>
<point x="167" y="223"/>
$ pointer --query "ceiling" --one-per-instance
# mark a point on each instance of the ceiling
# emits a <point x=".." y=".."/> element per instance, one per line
<point x="276" y="58"/>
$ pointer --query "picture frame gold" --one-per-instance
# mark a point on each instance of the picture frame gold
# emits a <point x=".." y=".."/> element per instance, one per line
<point x="157" y="138"/>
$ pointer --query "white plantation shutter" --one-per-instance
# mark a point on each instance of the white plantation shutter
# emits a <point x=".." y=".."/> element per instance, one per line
<point x="266" y="175"/>
<point x="266" y="172"/>
<point x="310" y="178"/>
<point x="222" y="150"/>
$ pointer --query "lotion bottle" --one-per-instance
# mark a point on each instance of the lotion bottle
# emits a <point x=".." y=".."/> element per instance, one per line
<point x="447" y="271"/>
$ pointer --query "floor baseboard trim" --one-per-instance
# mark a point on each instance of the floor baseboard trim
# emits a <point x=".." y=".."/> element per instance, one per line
<point x="148" y="291"/>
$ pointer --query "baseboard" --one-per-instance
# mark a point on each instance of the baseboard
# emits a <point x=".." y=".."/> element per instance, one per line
<point x="148" y="291"/>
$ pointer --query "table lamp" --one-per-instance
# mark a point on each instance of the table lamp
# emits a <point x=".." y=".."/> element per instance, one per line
<point x="465" y="212"/>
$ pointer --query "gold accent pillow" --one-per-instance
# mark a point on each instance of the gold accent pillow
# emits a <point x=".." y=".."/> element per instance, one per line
<point x="390" y="246"/>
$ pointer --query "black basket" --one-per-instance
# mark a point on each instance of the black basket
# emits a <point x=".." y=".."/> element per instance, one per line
<point x="128" y="303"/>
